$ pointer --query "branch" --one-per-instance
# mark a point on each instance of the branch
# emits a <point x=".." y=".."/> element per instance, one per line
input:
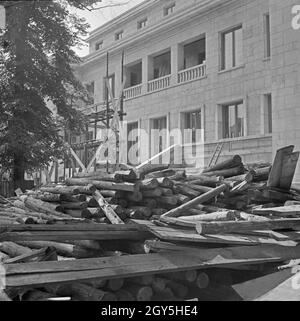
<point x="106" y="6"/>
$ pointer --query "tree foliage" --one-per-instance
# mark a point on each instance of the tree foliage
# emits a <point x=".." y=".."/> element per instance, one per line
<point x="36" y="56"/>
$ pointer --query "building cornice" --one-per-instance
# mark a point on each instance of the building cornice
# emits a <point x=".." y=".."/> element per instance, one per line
<point x="121" y="19"/>
<point x="175" y="19"/>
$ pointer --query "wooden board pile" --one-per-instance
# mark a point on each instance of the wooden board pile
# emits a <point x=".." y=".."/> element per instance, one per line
<point x="185" y="236"/>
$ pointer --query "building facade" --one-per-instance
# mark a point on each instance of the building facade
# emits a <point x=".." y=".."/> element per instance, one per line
<point x="228" y="67"/>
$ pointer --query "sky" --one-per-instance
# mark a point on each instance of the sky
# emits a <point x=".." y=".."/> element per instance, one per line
<point x="101" y="16"/>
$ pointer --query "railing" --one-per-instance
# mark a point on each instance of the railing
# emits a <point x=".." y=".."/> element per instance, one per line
<point x="193" y="73"/>
<point x="133" y="92"/>
<point x="160" y="83"/>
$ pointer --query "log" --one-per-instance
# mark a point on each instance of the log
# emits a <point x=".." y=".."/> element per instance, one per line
<point x="103" y="185"/>
<point x="152" y="193"/>
<point x="159" y="284"/>
<point x="91" y="213"/>
<point x="179" y="175"/>
<point x="179" y="290"/>
<point x="165" y="182"/>
<point x="232" y="162"/>
<point x="145" y="169"/>
<point x="201" y="199"/>
<point x="235" y="227"/>
<point x="248" y="177"/>
<point x="228" y="172"/>
<point x="140" y="293"/>
<point x="158" y="211"/>
<point x="74" y="213"/>
<point x="167" y="200"/>
<point x="182" y="199"/>
<point x="68" y="190"/>
<point x="115" y="284"/>
<point x="199" y="188"/>
<point x="109" y="212"/>
<point x="48" y="197"/>
<point x="149" y="184"/>
<point x="99" y="175"/>
<point x="13" y="249"/>
<point x="36" y="295"/>
<point x="204" y="180"/>
<point x="186" y="190"/>
<point x="127" y="175"/>
<point x="117" y="201"/>
<point x="134" y="197"/>
<point x="44" y="207"/>
<point x="145" y="212"/>
<point x="78" y="198"/>
<point x="166" y="191"/>
<point x="147" y="202"/>
<point x="124" y="296"/>
<point x="274" y="195"/>
<point x="212" y="217"/>
<point x="203" y="280"/>
<point x="160" y="174"/>
<point x="261" y="174"/>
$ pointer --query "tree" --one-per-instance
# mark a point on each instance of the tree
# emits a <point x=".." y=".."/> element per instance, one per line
<point x="35" y="67"/>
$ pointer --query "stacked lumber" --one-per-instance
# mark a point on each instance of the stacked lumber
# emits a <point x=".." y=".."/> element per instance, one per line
<point x="153" y="233"/>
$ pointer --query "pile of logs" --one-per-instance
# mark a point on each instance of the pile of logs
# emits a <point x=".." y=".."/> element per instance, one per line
<point x="100" y="215"/>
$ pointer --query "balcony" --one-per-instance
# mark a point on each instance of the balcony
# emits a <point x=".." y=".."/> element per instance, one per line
<point x="133" y="92"/>
<point x="159" y="83"/>
<point x="193" y="73"/>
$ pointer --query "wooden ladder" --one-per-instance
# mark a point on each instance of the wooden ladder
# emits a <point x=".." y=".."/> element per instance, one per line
<point x="216" y="154"/>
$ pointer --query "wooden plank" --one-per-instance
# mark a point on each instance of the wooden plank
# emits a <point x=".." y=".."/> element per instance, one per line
<point x="292" y="210"/>
<point x="256" y="288"/>
<point x="184" y="235"/>
<point x="108" y="210"/>
<point x="235" y="227"/>
<point x="276" y="171"/>
<point x="289" y="165"/>
<point x="42" y="273"/>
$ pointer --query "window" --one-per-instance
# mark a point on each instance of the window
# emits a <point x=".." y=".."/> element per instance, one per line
<point x="91" y="90"/>
<point x="119" y="35"/>
<point x="233" y="116"/>
<point x="232" y="48"/>
<point x="169" y="9"/>
<point x="158" y="136"/>
<point x="99" y="45"/>
<point x="111" y="80"/>
<point x="267" y="114"/>
<point x="267" y="34"/>
<point x="192" y="121"/>
<point x="142" y="23"/>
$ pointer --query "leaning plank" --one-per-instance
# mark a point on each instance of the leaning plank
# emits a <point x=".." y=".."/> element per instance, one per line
<point x="109" y="212"/>
<point x="289" y="164"/>
<point x="276" y="171"/>
<point x="201" y="199"/>
<point x="43" y="273"/>
<point x="235" y="227"/>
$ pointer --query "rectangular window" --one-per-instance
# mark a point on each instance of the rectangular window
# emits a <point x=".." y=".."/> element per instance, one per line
<point x="91" y="90"/>
<point x="192" y="121"/>
<point x="267" y="34"/>
<point x="232" y="48"/>
<point x="233" y="116"/>
<point x="142" y="23"/>
<point x="267" y="114"/>
<point x="119" y="35"/>
<point x="158" y="135"/>
<point x="99" y="45"/>
<point x="169" y="9"/>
